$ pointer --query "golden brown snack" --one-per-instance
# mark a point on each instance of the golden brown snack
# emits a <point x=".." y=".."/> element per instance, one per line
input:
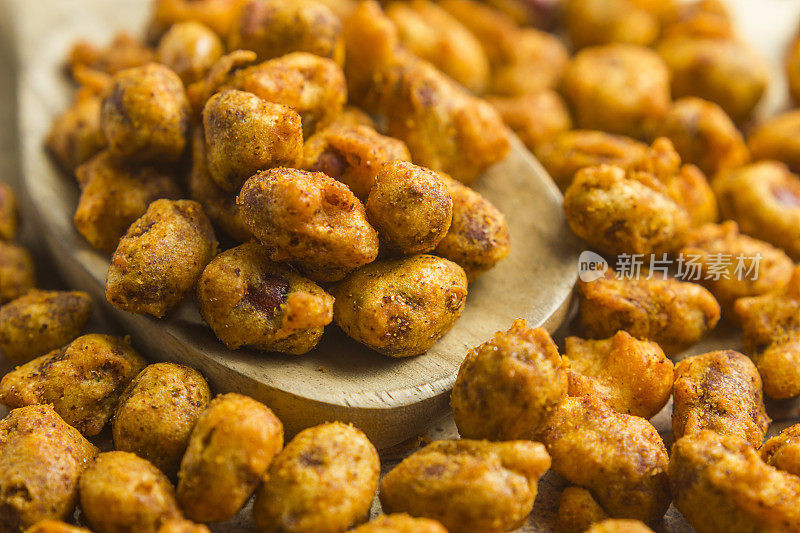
<point x="703" y="135"/>
<point x="219" y="15"/>
<point x="157" y="411"/>
<point x="619" y="526"/>
<point x="700" y="18"/>
<point x="719" y="391"/>
<point x="791" y="67"/>
<point x="468" y="485"/>
<point x="619" y="88"/>
<point x="764" y="199"/>
<point x="536" y="117"/>
<point x="478" y="237"/>
<point x="720" y="484"/>
<point x="777" y="138"/>
<point x="273" y="28"/>
<point x="55" y="526"/>
<point x="431" y="33"/>
<point x="245" y="134"/>
<point x="121" y="492"/>
<point x="689" y="187"/>
<point x="41" y="459"/>
<point x="508" y="386"/>
<point x="618" y="212"/>
<point x="632" y="376"/>
<point x="352" y="154"/>
<point x="619" y="458"/>
<point x="40" y="321"/>
<point x="410" y="206"/>
<point x="783" y="450"/>
<point x="8" y="212"/>
<point x="250" y="301"/>
<point x="160" y="258"/>
<point x="723" y="71"/>
<point x="113" y="195"/>
<point x="181" y="525"/>
<point x="231" y="446"/>
<point x="323" y="481"/>
<point x="594" y="22"/>
<point x="83" y="381"/>
<point x="189" y="49"/>
<point x="400" y="307"/>
<point x="675" y="314"/>
<point x="16" y="271"/>
<point x="309" y="219"/>
<point x="578" y="510"/>
<point x="732" y="265"/>
<point x="400" y="523"/>
<point x="145" y="116"/>
<point x="75" y="135"/>
<point x="123" y="52"/>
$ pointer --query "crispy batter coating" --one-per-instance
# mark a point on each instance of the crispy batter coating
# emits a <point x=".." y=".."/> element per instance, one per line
<point x="791" y="67"/>
<point x="189" y="49"/>
<point x="219" y="15"/>
<point x="40" y="321"/>
<point x="724" y="71"/>
<point x="41" y="459"/>
<point x="619" y="458"/>
<point x="181" y="525"/>
<point x="401" y="307"/>
<point x="783" y="450"/>
<point x="675" y="314"/>
<point x="160" y="258"/>
<point x="478" y="237"/>
<point x="157" y="411"/>
<point x="83" y="381"/>
<point x="764" y="199"/>
<point x="250" y="301"/>
<point x="777" y="138"/>
<point x="122" y="492"/>
<point x="719" y="391"/>
<point x="633" y="376"/>
<point x="16" y="271"/>
<point x="738" y="276"/>
<point x="690" y="189"/>
<point x="309" y="219"/>
<point x="113" y="195"/>
<point x="508" y="386"/>
<point x="55" y="526"/>
<point x="75" y="135"/>
<point x="123" y="52"/>
<point x="245" y="134"/>
<point x="145" y="116"/>
<point x="352" y="154"/>
<point x="619" y="88"/>
<point x="624" y="212"/>
<point x="468" y="485"/>
<point x="619" y="526"/>
<point x="410" y="206"/>
<point x="578" y="510"/>
<point x="594" y="22"/>
<point x="273" y="28"/>
<point x="231" y="446"/>
<point x="323" y="481"/>
<point x="700" y="18"/>
<point x="8" y="212"/>
<point x="535" y="117"/>
<point x="720" y="484"/>
<point x="400" y="523"/>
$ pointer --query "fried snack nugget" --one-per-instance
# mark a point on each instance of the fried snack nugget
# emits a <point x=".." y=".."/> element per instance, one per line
<point x="250" y="301"/>
<point x="410" y="206"/>
<point x="157" y="411"/>
<point x="719" y="391"/>
<point x="624" y="212"/>
<point x="83" y="381"/>
<point x="323" y="481"/>
<point x="181" y="525"/>
<point x="8" y="212"/>
<point x="791" y="66"/>
<point x="619" y="458"/>
<point x="783" y="450"/>
<point x="724" y="71"/>
<point x="777" y="138"/>
<point x="273" y="28"/>
<point x="703" y="135"/>
<point x="700" y="18"/>
<point x="122" y="492"/>
<point x="535" y="118"/>
<point x="719" y="483"/>
<point x="352" y="154"/>
<point x="400" y="523"/>
<point x="619" y="526"/>
<point x="764" y="200"/>
<point x="245" y="134"/>
<point x="309" y="219"/>
<point x="433" y="34"/>
<point x="41" y="459"/>
<point x="55" y="526"/>
<point x="230" y="448"/>
<point x="578" y="510"/>
<point x="75" y="135"/>
<point x="593" y="22"/>
<point x="478" y="237"/>
<point x="704" y="245"/>
<point x="40" y="321"/>
<point x="113" y="195"/>
<point x="160" y="258"/>
<point x="618" y="88"/>
<point x="145" y="116"/>
<point x="219" y="15"/>
<point x="189" y="49"/>
<point x="16" y="271"/>
<point x="632" y="376"/>
<point x="468" y="485"/>
<point x="401" y="307"/>
<point x="675" y="314"/>
<point x="508" y="386"/>
<point x="123" y="52"/>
